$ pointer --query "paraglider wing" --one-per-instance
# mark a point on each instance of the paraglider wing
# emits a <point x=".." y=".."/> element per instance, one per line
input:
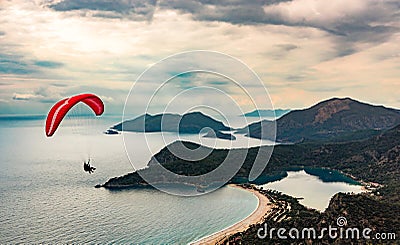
<point x="61" y="108"/>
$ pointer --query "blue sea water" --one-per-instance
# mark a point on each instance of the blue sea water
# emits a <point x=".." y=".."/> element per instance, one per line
<point x="45" y="196"/>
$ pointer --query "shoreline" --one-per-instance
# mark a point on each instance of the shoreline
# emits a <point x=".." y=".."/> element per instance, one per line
<point x="263" y="207"/>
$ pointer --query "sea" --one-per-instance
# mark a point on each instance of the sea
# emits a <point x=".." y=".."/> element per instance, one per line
<point x="46" y="197"/>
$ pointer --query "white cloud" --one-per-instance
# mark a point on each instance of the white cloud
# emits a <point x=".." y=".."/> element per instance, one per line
<point x="17" y="96"/>
<point x="107" y="99"/>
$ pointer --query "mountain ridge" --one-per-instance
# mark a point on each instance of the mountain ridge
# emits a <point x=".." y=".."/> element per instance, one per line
<point x="335" y="117"/>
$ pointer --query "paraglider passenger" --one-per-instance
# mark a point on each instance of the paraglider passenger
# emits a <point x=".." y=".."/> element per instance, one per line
<point x="87" y="167"/>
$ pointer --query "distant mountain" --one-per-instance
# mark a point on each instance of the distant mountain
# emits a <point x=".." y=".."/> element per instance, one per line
<point x="267" y="113"/>
<point x="191" y="123"/>
<point x="331" y="119"/>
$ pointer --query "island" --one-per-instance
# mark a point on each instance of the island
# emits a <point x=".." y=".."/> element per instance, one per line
<point x="189" y="123"/>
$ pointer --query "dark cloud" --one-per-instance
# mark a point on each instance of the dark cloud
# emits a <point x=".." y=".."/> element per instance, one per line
<point x="185" y="84"/>
<point x="218" y="83"/>
<point x="184" y="75"/>
<point x="14" y="64"/>
<point x="197" y="78"/>
<point x="202" y="6"/>
<point x="287" y="47"/>
<point x="350" y="35"/>
<point x="344" y="50"/>
<point x="48" y="64"/>
<point x="371" y="24"/>
<point x="369" y="21"/>
<point x="135" y="9"/>
<point x="20" y="65"/>
<point x="236" y="12"/>
<point x="280" y="51"/>
<point x="295" y="78"/>
<point x="333" y="87"/>
<point x="61" y="85"/>
<point x="107" y="15"/>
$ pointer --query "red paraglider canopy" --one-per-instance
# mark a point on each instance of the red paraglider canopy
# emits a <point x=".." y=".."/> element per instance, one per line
<point x="60" y="109"/>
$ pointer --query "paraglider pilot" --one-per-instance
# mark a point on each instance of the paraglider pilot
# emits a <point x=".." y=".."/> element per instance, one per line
<point x="87" y="167"/>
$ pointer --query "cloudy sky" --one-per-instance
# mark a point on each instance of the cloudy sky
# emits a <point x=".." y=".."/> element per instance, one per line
<point x="303" y="50"/>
